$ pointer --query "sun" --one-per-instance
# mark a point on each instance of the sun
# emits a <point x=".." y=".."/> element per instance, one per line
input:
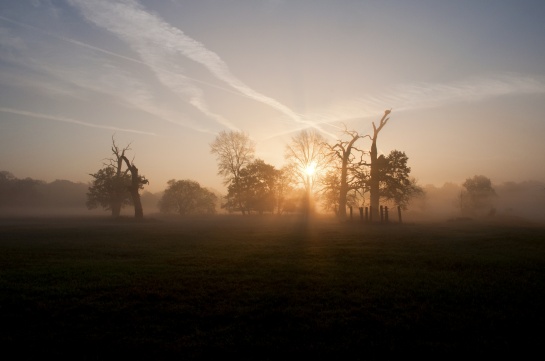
<point x="311" y="168"/>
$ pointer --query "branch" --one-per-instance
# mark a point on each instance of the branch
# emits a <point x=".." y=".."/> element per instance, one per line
<point x="383" y="122"/>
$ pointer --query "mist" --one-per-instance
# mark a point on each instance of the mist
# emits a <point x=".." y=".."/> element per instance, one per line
<point x="523" y="201"/>
<point x="514" y="201"/>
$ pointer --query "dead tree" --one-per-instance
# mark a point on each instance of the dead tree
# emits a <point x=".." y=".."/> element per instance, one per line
<point x="375" y="171"/>
<point x="137" y="181"/>
<point x="119" y="196"/>
<point x="343" y="151"/>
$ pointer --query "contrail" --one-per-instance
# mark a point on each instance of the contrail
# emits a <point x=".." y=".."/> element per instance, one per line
<point x="72" y="121"/>
<point x="113" y="54"/>
<point x="127" y="19"/>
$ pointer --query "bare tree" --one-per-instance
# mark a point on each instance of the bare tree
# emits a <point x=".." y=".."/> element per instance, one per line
<point x="349" y="164"/>
<point x="309" y="156"/>
<point x="234" y="150"/>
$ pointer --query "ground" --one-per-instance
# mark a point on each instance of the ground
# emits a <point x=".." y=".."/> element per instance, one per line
<point x="268" y="287"/>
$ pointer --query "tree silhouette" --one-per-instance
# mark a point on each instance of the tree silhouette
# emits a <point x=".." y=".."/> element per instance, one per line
<point x="374" y="182"/>
<point x="112" y="185"/>
<point x="308" y="156"/>
<point x="187" y="197"/>
<point x="109" y="190"/>
<point x="395" y="182"/>
<point x="478" y="193"/>
<point x="256" y="188"/>
<point x="137" y="183"/>
<point x="343" y="150"/>
<point x="234" y="150"/>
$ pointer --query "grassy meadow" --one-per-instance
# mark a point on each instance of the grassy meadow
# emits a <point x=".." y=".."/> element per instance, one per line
<point x="268" y="287"/>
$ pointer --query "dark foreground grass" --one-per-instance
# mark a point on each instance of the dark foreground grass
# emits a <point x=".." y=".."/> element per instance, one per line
<point x="265" y="288"/>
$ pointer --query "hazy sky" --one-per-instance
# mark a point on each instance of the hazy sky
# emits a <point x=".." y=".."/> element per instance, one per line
<point x="465" y="81"/>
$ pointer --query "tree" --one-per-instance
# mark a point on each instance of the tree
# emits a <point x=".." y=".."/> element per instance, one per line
<point x="187" y="197"/>
<point x="284" y="190"/>
<point x="374" y="182"/>
<point x="256" y="188"/>
<point x="234" y="150"/>
<point x="112" y="185"/>
<point x="19" y="192"/>
<point x="109" y="190"/>
<point x="348" y="165"/>
<point x="308" y="156"/>
<point x="395" y="182"/>
<point x="478" y="194"/>
<point x="137" y="183"/>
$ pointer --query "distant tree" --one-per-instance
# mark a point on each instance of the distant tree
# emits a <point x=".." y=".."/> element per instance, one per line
<point x="308" y="156"/>
<point x="234" y="151"/>
<point x="16" y="192"/>
<point x="187" y="197"/>
<point x="256" y="189"/>
<point x="395" y="182"/>
<point x="478" y="194"/>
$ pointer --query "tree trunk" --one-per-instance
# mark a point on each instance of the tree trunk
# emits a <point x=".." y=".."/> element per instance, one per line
<point x="138" y="210"/>
<point x="116" y="209"/>
<point x="134" y="189"/>
<point x="374" y="181"/>
<point x="343" y="190"/>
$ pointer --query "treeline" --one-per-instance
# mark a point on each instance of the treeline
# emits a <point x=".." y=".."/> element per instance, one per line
<point x="513" y="200"/>
<point x="34" y="196"/>
<point x="28" y="192"/>
<point x="31" y="196"/>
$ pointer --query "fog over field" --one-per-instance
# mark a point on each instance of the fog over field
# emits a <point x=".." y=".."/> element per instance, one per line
<point x="513" y="202"/>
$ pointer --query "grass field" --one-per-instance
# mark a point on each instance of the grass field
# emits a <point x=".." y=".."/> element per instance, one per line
<point x="268" y="287"/>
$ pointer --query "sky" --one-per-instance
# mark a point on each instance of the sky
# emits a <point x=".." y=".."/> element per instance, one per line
<point x="465" y="81"/>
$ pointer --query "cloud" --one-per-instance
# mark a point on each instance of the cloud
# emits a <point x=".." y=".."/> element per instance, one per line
<point x="160" y="43"/>
<point x="62" y="68"/>
<point x="425" y="95"/>
<point x="422" y="95"/>
<point x="72" y="121"/>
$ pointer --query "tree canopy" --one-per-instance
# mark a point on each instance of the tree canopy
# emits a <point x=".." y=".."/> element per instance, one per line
<point x="256" y="189"/>
<point x="234" y="151"/>
<point x="187" y="197"/>
<point x="394" y="179"/>
<point x="109" y="190"/>
<point x="478" y="194"/>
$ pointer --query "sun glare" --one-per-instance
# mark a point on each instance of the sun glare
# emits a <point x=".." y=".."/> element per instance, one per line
<point x="311" y="168"/>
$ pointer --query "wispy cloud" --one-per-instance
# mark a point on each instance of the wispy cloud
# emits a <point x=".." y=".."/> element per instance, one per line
<point x="98" y="75"/>
<point x="428" y="95"/>
<point x="69" y="120"/>
<point x="158" y="45"/>
<point x="424" y="95"/>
